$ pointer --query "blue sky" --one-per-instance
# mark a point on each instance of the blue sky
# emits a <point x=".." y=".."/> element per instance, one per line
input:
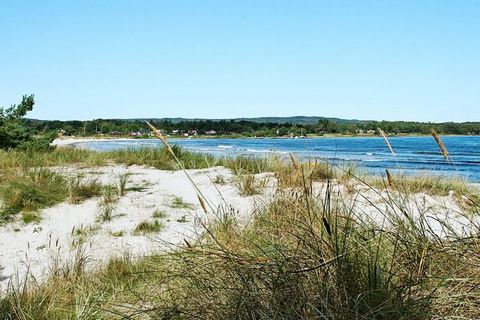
<point x="392" y="60"/>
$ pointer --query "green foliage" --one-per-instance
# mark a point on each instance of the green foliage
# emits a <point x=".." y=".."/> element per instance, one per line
<point x="12" y="130"/>
<point x="255" y="127"/>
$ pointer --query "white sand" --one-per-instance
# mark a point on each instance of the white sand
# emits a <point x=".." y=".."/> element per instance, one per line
<point x="66" y="141"/>
<point x="36" y="248"/>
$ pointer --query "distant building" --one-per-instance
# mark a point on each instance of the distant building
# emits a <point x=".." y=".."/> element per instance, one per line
<point x="211" y="132"/>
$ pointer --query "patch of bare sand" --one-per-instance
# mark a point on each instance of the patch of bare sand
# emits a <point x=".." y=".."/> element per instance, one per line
<point x="67" y="228"/>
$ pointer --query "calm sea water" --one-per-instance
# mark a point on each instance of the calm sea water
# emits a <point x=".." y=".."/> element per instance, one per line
<point x="413" y="153"/>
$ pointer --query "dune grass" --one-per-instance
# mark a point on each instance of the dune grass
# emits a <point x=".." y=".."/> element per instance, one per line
<point x="247" y="185"/>
<point x="145" y="227"/>
<point x="29" y="190"/>
<point x="155" y="157"/>
<point x="80" y="189"/>
<point x="26" y="190"/>
<point x="304" y="255"/>
<point x="179" y="203"/>
<point x="430" y="184"/>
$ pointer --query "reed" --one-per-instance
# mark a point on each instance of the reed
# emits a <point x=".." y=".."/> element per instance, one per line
<point x="387" y="142"/>
<point x="440" y="144"/>
<point x="389" y="178"/>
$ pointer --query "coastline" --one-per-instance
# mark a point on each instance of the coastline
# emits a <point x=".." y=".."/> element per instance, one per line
<point x="72" y="140"/>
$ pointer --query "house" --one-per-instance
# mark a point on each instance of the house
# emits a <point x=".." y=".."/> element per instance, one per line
<point x="115" y="133"/>
<point x="211" y="132"/>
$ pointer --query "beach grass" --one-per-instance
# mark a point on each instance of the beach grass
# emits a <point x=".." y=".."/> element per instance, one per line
<point x="305" y="254"/>
<point x="29" y="190"/>
<point x="145" y="227"/>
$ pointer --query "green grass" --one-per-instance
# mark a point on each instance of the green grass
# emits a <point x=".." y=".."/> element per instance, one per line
<point x="250" y="165"/>
<point x="179" y="203"/>
<point x="303" y="256"/>
<point x="31" y="217"/>
<point x="118" y="233"/>
<point x="155" y="157"/>
<point x="82" y="234"/>
<point x="430" y="184"/>
<point x="159" y="214"/>
<point x="108" y="204"/>
<point x="145" y="227"/>
<point x="30" y="190"/>
<point x="80" y="189"/>
<point x="121" y="184"/>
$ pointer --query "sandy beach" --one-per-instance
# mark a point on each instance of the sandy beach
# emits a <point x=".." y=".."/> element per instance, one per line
<point x="71" y="141"/>
<point x="66" y="229"/>
<point x="37" y="248"/>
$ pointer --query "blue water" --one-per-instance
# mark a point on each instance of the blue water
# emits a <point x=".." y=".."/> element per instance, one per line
<point x="413" y="154"/>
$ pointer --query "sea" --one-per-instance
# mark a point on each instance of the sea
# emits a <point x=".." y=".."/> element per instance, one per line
<point x="412" y="154"/>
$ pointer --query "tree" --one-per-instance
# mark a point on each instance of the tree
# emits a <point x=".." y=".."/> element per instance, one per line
<point x="13" y="131"/>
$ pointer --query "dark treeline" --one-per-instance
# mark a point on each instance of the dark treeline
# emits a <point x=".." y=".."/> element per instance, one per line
<point x="248" y="128"/>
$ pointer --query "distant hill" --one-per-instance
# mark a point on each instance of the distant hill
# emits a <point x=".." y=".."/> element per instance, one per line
<point x="294" y="119"/>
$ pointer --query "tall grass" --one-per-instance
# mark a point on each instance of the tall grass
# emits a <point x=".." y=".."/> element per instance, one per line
<point x="247" y="185"/>
<point x="305" y="255"/>
<point x="159" y="158"/>
<point x="80" y="189"/>
<point x="30" y="190"/>
<point x="308" y="253"/>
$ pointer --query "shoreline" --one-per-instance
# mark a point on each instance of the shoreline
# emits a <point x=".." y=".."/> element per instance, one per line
<point x="71" y="140"/>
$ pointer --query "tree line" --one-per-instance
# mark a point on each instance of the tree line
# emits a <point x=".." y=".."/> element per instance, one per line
<point x="16" y="131"/>
<point x="249" y="128"/>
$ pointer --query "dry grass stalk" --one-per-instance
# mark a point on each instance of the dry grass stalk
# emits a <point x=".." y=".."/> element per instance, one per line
<point x="389" y="179"/>
<point x="202" y="203"/>
<point x="387" y="142"/>
<point x="440" y="144"/>
<point x="294" y="162"/>
<point x="162" y="138"/>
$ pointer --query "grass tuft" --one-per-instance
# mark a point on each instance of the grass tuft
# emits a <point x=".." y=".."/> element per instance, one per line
<point x="148" y="227"/>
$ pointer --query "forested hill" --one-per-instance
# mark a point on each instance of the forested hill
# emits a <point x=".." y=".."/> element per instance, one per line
<point x="294" y="120"/>
<point x="259" y="127"/>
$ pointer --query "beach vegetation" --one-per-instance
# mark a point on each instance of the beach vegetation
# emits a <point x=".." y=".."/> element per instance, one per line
<point x="148" y="227"/>
<point x="179" y="203"/>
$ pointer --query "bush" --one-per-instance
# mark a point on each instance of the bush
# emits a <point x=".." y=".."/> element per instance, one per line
<point x="12" y="129"/>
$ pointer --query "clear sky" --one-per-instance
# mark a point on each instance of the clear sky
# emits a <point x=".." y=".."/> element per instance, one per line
<point x="391" y="60"/>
